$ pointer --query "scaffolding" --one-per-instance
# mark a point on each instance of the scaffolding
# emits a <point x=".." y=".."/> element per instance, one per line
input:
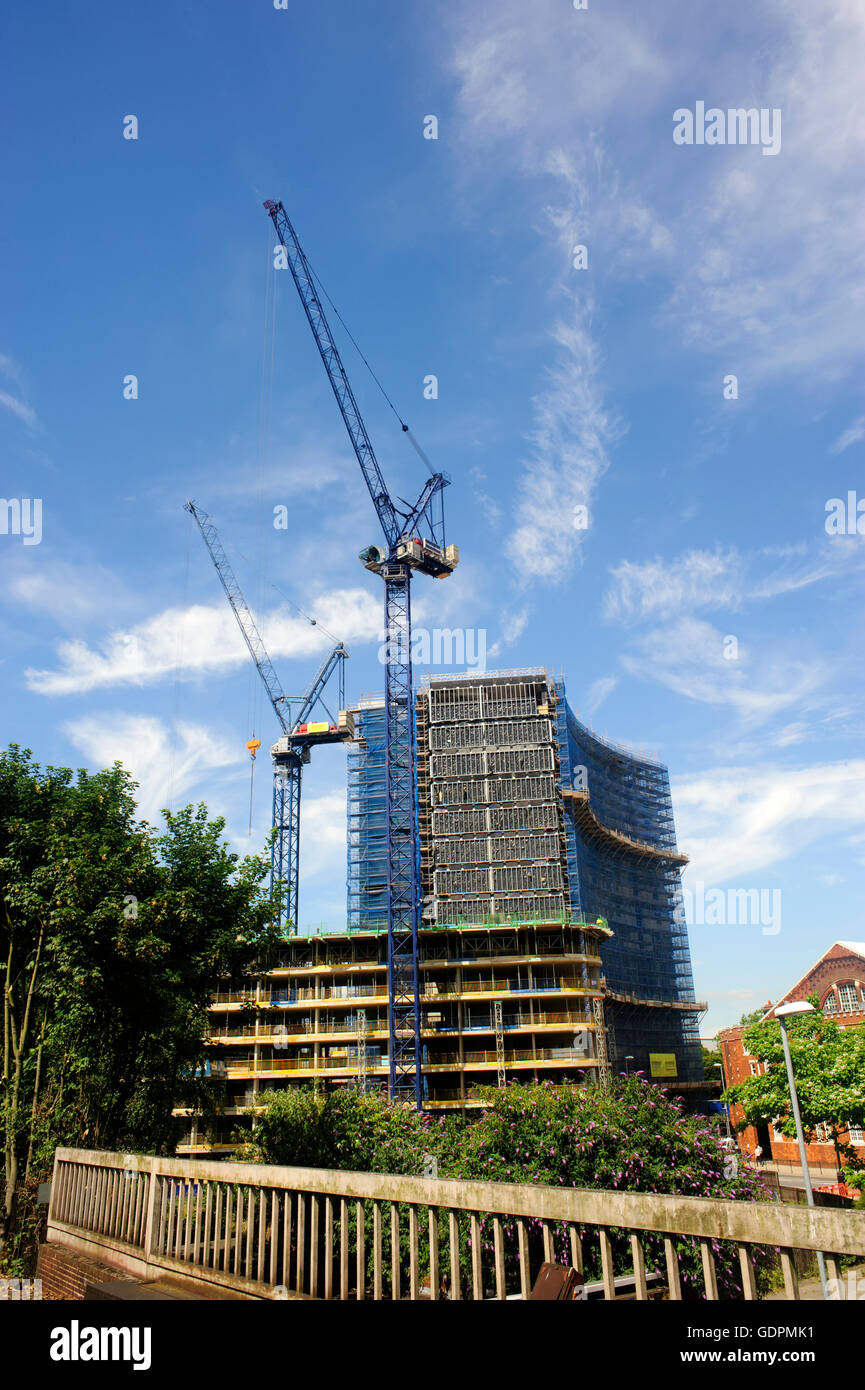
<point x="601" y="1042"/>
<point x="499" y="1026"/>
<point x="488" y="782"/>
<point x="366" y="817"/>
<point x="526" y="815"/>
<point x="620" y="815"/>
<point x="361" y="1051"/>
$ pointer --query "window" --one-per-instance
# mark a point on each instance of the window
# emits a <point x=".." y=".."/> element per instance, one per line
<point x="823" y="1134"/>
<point x="830" y="1003"/>
<point x="755" y="1068"/>
<point x="778" y="1136"/>
<point x="857" y="1135"/>
<point x="849" y="996"/>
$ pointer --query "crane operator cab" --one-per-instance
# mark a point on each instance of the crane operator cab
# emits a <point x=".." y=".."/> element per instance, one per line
<point x="419" y="554"/>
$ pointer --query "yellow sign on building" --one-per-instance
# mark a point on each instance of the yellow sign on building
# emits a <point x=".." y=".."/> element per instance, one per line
<point x="662" y="1063"/>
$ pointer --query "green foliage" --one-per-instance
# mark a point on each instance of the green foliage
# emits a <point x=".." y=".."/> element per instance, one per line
<point x="753" y="1017"/>
<point x="711" y="1058"/>
<point x="113" y="938"/>
<point x="632" y="1138"/>
<point x="340" y="1129"/>
<point x="829" y="1069"/>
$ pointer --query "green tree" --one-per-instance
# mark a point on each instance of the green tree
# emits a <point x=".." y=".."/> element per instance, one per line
<point x="112" y="941"/>
<point x="747" y="1020"/>
<point x="829" y="1070"/>
<point x="711" y="1059"/>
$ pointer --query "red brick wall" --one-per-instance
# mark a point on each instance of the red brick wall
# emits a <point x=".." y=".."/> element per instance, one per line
<point x="837" y="966"/>
<point x="736" y="1068"/>
<point x="65" y="1274"/>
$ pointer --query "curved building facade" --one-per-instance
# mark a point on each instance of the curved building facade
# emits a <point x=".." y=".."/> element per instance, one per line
<point x="525" y="814"/>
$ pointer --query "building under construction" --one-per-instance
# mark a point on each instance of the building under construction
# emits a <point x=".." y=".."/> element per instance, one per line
<point x="553" y="943"/>
<point x="525" y="814"/>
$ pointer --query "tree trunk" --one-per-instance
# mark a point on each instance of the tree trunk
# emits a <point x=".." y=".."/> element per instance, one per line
<point x="17" y="1045"/>
<point x="35" y="1100"/>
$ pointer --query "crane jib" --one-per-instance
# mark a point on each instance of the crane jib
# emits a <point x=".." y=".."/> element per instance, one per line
<point x="288" y="753"/>
<point x="335" y="370"/>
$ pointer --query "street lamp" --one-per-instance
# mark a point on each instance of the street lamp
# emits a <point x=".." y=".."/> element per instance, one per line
<point x="719" y="1066"/>
<point x="627" y="1068"/>
<point x="782" y="1013"/>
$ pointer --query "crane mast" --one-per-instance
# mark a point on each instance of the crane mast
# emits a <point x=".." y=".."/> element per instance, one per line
<point x="292" y="749"/>
<point x="408" y="549"/>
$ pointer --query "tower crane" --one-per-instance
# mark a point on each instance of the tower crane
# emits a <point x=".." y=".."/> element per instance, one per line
<point x="299" y="733"/>
<point x="414" y="541"/>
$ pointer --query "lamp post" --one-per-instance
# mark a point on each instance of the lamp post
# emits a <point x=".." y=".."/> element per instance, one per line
<point x="782" y="1013"/>
<point x="627" y="1068"/>
<point x="719" y="1066"/>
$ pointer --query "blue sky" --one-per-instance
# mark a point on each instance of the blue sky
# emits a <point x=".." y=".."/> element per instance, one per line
<point x="558" y="387"/>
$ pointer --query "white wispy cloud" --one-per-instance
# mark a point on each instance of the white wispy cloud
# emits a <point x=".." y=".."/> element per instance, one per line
<point x="722" y="578"/>
<point x="185" y="642"/>
<point x="16" y="404"/>
<point x="707" y="218"/>
<point x="490" y="508"/>
<point x="167" y="766"/>
<point x="322" y="839"/>
<point x="19" y="408"/>
<point x="658" y="588"/>
<point x="598" y="692"/>
<point x="740" y="821"/>
<point x="851" y="435"/>
<point x="71" y="593"/>
<point x="689" y="657"/>
<point x="512" y="625"/>
<point x="571" y="431"/>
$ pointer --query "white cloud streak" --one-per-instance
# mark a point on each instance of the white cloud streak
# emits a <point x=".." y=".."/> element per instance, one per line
<point x="186" y="642"/>
<point x="688" y="657"/>
<point x="735" y="822"/>
<point x="166" y="767"/>
<point x="851" y="435"/>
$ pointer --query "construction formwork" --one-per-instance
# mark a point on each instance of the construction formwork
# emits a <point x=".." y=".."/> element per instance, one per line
<point x="491" y="815"/>
<point x="524" y="813"/>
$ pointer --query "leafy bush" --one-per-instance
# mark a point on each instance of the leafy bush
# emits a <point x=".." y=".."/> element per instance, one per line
<point x="631" y="1138"/>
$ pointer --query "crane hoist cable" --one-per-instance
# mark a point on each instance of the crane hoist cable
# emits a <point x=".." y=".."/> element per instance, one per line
<point x="179" y="666"/>
<point x="313" y="622"/>
<point x="253" y="745"/>
<point x="405" y="428"/>
<point x="265" y="413"/>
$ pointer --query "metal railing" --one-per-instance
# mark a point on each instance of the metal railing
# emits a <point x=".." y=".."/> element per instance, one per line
<point x="270" y="1232"/>
<point x="283" y="1034"/>
<point x="491" y="986"/>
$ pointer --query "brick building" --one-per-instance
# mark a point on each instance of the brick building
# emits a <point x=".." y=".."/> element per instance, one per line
<point x="838" y="978"/>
